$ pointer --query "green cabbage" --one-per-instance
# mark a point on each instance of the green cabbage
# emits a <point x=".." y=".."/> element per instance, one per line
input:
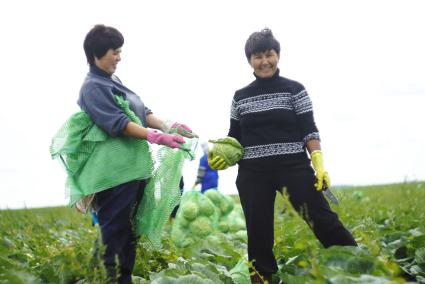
<point x="180" y="238"/>
<point x="206" y="207"/>
<point x="214" y="195"/>
<point x="190" y="210"/>
<point x="228" y="148"/>
<point x="226" y="205"/>
<point x="237" y="224"/>
<point x="201" y="226"/>
<point x="184" y="223"/>
<point x="223" y="226"/>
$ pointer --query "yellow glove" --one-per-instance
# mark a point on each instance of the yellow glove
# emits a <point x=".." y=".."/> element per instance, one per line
<point x="216" y="162"/>
<point x="322" y="177"/>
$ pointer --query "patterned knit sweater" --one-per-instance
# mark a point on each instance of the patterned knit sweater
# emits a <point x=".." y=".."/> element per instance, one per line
<point x="273" y="119"/>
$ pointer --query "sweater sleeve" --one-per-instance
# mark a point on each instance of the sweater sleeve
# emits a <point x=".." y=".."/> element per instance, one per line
<point x="304" y="111"/>
<point x="235" y="129"/>
<point x="100" y="105"/>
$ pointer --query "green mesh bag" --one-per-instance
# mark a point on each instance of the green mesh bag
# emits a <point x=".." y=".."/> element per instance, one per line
<point x="224" y="203"/>
<point x="162" y="193"/>
<point x="206" y="217"/>
<point x="233" y="221"/>
<point x="230" y="214"/>
<point x="94" y="161"/>
<point x="228" y="148"/>
<point x="196" y="219"/>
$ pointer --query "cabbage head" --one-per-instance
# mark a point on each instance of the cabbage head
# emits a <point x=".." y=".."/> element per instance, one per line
<point x="236" y="224"/>
<point x="183" y="222"/>
<point x="223" y="226"/>
<point x="228" y="148"/>
<point x="181" y="238"/>
<point x="226" y="205"/>
<point x="189" y="210"/>
<point x="214" y="195"/>
<point x="201" y="226"/>
<point x="206" y="208"/>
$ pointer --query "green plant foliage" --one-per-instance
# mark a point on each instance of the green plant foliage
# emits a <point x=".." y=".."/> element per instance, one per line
<point x="59" y="245"/>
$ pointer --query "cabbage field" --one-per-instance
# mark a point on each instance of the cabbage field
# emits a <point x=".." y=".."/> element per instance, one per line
<point x="205" y="245"/>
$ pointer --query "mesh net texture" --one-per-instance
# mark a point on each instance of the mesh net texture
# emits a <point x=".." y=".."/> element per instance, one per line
<point x="203" y="216"/>
<point x="195" y="220"/>
<point x="94" y="161"/>
<point x="162" y="193"/>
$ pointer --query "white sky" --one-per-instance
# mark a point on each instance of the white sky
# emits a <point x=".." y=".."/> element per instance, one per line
<point x="362" y="62"/>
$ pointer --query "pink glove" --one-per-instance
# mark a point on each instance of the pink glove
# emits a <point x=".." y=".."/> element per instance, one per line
<point x="183" y="130"/>
<point x="170" y="140"/>
<point x="181" y="126"/>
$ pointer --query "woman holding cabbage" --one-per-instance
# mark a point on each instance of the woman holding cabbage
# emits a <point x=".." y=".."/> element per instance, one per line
<point x="272" y="119"/>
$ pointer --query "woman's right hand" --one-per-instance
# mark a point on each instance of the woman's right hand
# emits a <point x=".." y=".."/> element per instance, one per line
<point x="170" y="140"/>
<point x="216" y="162"/>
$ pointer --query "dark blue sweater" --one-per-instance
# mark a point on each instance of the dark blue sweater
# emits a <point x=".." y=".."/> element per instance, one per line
<point x="272" y="118"/>
<point x="96" y="99"/>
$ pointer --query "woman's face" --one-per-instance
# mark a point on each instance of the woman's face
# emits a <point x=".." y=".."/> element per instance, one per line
<point x="264" y="63"/>
<point x="109" y="61"/>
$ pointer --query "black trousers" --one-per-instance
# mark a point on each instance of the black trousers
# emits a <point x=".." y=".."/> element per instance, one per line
<point x="181" y="187"/>
<point x="257" y="191"/>
<point x="116" y="208"/>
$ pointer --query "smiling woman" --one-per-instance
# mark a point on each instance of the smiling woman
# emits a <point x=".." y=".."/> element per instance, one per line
<point x="101" y="51"/>
<point x="109" y="61"/>
<point x="263" y="52"/>
<point x="264" y="63"/>
<point x="272" y="118"/>
<point x="106" y="152"/>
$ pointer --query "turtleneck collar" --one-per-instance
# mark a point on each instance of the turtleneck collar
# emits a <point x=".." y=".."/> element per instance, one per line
<point x="96" y="70"/>
<point x="269" y="79"/>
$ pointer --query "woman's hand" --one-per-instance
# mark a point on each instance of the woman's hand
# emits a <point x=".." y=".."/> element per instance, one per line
<point x="216" y="162"/>
<point x="170" y="140"/>
<point x="180" y="128"/>
<point x="323" y="180"/>
<point x="183" y="130"/>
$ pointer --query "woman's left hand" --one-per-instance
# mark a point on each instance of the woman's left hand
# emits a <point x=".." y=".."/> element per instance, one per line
<point x="323" y="180"/>
<point x="183" y="130"/>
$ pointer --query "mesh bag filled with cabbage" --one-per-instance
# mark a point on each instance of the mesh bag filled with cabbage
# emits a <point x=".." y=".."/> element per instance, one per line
<point x="228" y="148"/>
<point x="230" y="214"/>
<point x="206" y="216"/>
<point x="195" y="220"/>
<point x="223" y="203"/>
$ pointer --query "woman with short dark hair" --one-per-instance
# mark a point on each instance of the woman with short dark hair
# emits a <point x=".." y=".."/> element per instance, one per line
<point x="115" y="207"/>
<point x="272" y="118"/>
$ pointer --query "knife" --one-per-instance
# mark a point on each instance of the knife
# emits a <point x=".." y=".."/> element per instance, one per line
<point x="328" y="193"/>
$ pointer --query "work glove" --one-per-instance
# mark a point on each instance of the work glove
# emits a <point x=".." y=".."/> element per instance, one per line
<point x="216" y="162"/>
<point x="322" y="177"/>
<point x="225" y="153"/>
<point x="170" y="140"/>
<point x="180" y="128"/>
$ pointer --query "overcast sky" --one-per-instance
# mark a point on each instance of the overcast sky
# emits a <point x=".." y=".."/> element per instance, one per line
<point x="362" y="62"/>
